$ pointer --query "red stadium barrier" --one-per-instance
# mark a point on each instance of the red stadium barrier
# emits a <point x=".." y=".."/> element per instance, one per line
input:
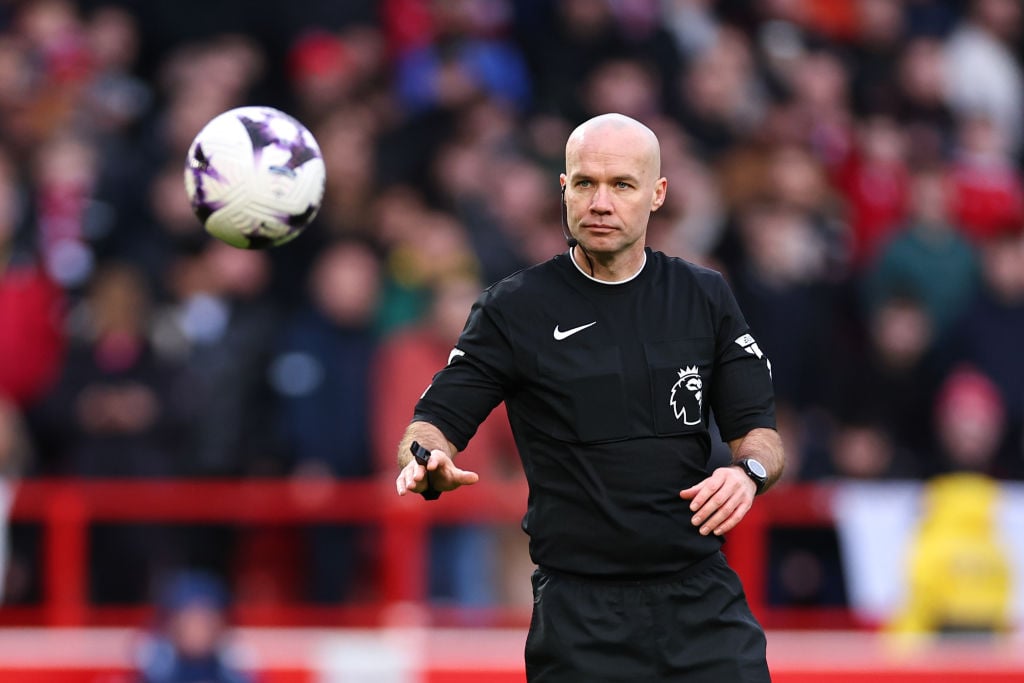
<point x="99" y="655"/>
<point x="65" y="509"/>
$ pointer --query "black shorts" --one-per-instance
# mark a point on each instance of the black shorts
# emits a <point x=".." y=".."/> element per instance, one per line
<point x="694" y="627"/>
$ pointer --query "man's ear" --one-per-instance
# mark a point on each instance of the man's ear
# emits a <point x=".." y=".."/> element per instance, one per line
<point x="660" y="192"/>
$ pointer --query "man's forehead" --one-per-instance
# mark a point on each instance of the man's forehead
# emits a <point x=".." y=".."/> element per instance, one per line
<point x="615" y="162"/>
<point x="614" y="140"/>
<point x="607" y="157"/>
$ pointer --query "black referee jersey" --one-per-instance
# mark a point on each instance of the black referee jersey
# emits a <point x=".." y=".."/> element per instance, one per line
<point x="608" y="388"/>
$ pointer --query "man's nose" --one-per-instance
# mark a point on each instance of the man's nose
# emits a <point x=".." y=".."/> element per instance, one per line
<point x="601" y="201"/>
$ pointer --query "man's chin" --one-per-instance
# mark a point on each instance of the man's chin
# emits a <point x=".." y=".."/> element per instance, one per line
<point x="601" y="244"/>
<point x="604" y="244"/>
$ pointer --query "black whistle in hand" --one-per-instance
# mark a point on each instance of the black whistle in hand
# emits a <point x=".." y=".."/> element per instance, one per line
<point x="422" y="456"/>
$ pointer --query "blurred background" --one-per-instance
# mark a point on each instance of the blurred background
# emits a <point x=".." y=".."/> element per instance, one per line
<point x="183" y="423"/>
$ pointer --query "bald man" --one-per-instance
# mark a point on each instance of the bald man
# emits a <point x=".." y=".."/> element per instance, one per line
<point x="609" y="358"/>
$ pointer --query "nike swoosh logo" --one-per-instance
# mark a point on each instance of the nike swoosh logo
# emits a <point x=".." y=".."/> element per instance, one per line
<point x="559" y="335"/>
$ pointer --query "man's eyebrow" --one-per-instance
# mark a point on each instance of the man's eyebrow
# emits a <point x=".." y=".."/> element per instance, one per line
<point x="576" y="176"/>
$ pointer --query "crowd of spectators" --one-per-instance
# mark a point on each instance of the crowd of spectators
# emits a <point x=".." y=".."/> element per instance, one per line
<point x="852" y="166"/>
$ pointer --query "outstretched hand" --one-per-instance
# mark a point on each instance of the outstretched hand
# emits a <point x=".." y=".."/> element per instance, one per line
<point x="444" y="475"/>
<point x="719" y="502"/>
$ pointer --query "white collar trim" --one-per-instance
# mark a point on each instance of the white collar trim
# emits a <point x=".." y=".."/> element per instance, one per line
<point x="608" y="282"/>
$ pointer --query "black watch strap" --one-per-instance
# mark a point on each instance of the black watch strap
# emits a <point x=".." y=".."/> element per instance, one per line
<point x="756" y="471"/>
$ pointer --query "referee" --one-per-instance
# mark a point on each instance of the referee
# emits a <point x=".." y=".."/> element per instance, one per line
<point x="610" y="358"/>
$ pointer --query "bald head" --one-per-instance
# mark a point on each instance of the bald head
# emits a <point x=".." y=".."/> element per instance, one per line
<point x="620" y="132"/>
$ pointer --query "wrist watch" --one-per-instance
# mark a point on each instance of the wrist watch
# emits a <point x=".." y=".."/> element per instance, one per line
<point x="755" y="470"/>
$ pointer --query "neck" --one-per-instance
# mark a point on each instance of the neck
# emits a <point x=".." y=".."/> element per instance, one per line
<point x="622" y="268"/>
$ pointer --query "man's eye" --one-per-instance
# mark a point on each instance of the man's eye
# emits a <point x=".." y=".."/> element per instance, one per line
<point x="622" y="185"/>
<point x="583" y="183"/>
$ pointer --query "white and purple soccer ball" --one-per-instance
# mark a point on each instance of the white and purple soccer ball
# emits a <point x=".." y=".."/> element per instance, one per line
<point x="255" y="177"/>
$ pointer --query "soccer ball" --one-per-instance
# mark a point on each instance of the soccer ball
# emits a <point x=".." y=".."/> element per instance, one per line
<point x="255" y="177"/>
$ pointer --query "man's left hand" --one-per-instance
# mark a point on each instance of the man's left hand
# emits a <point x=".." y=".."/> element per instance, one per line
<point x="719" y="502"/>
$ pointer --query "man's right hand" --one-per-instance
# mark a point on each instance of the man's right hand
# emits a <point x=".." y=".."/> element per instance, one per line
<point x="444" y="475"/>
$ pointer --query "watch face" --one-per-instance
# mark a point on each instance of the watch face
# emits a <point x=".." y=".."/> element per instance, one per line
<point x="757" y="469"/>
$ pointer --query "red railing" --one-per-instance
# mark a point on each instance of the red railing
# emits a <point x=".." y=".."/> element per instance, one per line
<point x="65" y="509"/>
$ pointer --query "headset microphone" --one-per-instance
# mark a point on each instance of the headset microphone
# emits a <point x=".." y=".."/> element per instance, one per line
<point x="569" y="239"/>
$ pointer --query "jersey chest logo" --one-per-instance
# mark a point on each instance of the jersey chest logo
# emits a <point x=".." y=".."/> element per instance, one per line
<point x="687" y="396"/>
<point x="564" y="334"/>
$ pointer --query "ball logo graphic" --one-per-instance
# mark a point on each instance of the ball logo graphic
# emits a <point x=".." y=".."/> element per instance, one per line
<point x="255" y="177"/>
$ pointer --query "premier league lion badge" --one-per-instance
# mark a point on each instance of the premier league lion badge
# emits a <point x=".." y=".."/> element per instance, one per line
<point x="687" y="397"/>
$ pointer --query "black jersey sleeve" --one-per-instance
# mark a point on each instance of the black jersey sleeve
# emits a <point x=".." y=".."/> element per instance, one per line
<point x="479" y="372"/>
<point x="742" y="396"/>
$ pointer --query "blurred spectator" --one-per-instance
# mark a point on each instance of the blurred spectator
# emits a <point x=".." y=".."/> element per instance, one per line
<point x="16" y="456"/>
<point x="218" y="331"/>
<point x="692" y="24"/>
<point x="928" y="122"/>
<point x="321" y="377"/>
<point x="191" y="641"/>
<point x="880" y="32"/>
<point x="498" y="220"/>
<point x="219" y="327"/>
<point x="31" y="305"/>
<point x="57" y="64"/>
<point x="346" y="140"/>
<point x="460" y="63"/>
<point x="985" y="188"/>
<point x="116" y="411"/>
<point x="819" y="97"/>
<point x="526" y="211"/>
<point x="779" y="284"/>
<point x="693" y="214"/>
<point x="113" y="411"/>
<point x="931" y="17"/>
<point x="64" y="174"/>
<point x="959" y="578"/>
<point x="790" y="176"/>
<point x="197" y="81"/>
<point x="721" y="99"/>
<point x="621" y="85"/>
<point x="329" y="71"/>
<point x="985" y="77"/>
<point x="995" y="315"/>
<point x="566" y="42"/>
<point x="928" y="256"/>
<point x="116" y="97"/>
<point x="884" y="390"/>
<point x="969" y="422"/>
<point x="435" y="247"/>
<point x="873" y="181"/>
<point x="320" y="67"/>
<point x="161" y="234"/>
<point x="862" y="450"/>
<point x="320" y="371"/>
<point x="466" y="564"/>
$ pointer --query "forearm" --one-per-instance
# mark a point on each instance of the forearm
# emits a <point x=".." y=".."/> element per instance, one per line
<point x="428" y="436"/>
<point x="765" y="446"/>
